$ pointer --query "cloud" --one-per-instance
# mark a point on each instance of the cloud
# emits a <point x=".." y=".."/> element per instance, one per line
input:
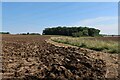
<point x="98" y="20"/>
<point x="107" y="25"/>
<point x="108" y="29"/>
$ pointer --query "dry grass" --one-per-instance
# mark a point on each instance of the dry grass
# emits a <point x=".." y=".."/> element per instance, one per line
<point x="90" y="43"/>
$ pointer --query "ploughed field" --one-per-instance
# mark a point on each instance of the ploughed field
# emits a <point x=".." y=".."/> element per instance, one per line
<point x="30" y="57"/>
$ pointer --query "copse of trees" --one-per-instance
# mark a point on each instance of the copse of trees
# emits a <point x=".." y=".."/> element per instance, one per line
<point x="4" y="33"/>
<point x="71" y="31"/>
<point x="29" y="33"/>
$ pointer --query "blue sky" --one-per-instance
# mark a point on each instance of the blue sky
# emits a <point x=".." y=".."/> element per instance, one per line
<point x="60" y="0"/>
<point x="21" y="17"/>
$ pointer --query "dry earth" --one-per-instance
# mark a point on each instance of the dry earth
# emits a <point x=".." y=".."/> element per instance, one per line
<point x="27" y="57"/>
<point x="112" y="60"/>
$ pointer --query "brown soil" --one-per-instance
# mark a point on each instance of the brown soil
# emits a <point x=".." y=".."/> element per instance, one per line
<point x="112" y="63"/>
<point x="32" y="58"/>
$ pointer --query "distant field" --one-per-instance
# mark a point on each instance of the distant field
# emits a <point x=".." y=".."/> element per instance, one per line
<point x="105" y="44"/>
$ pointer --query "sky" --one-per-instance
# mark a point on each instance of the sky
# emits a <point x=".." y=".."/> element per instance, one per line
<point x="19" y="17"/>
<point x="60" y="0"/>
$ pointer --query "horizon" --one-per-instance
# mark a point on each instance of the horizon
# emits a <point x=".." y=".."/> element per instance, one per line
<point x="20" y="17"/>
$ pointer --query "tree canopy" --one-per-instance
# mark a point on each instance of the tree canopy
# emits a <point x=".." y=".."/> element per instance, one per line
<point x="4" y="33"/>
<point x="71" y="31"/>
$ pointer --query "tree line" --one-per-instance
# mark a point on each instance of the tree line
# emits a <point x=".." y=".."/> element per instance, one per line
<point x="21" y="33"/>
<point x="4" y="32"/>
<point x="71" y="31"/>
<point x="29" y="33"/>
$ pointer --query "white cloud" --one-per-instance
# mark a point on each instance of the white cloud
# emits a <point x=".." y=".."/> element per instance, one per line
<point x="107" y="25"/>
<point x="98" y="20"/>
<point x="108" y="29"/>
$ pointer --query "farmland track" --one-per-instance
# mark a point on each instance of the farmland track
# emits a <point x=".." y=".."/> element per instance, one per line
<point x="30" y="57"/>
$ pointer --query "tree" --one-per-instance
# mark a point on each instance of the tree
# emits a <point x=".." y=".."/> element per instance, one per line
<point x="77" y="34"/>
<point x="4" y="32"/>
<point x="85" y="32"/>
<point x="71" y="31"/>
<point x="27" y="33"/>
